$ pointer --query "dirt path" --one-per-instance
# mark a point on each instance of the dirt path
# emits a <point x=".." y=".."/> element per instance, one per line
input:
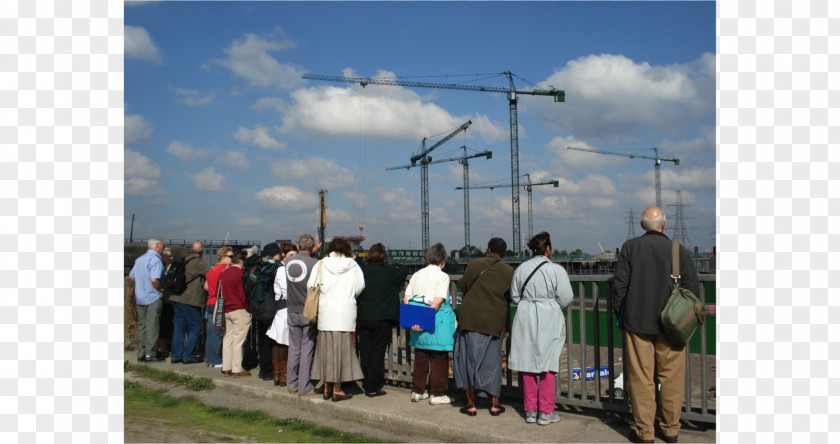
<point x="142" y="430"/>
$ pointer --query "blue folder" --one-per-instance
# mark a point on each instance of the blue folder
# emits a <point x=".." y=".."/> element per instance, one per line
<point x="411" y="315"/>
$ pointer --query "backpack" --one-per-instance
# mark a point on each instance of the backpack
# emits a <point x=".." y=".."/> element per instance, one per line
<point x="261" y="299"/>
<point x="176" y="277"/>
<point x="683" y="312"/>
<point x="250" y="271"/>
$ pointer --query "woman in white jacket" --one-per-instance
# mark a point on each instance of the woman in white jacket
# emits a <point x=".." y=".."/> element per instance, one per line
<point x="341" y="282"/>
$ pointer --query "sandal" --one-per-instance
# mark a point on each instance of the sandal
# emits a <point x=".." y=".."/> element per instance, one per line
<point x="466" y="410"/>
<point x="497" y="412"/>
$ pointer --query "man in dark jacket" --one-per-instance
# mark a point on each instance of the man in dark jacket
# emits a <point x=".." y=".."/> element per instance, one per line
<point x="477" y="363"/>
<point x="642" y="287"/>
<point x="188" y="305"/>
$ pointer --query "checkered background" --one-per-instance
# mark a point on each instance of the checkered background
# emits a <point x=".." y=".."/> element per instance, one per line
<point x="61" y="220"/>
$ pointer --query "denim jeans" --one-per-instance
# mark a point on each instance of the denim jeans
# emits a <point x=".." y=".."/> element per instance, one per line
<point x="185" y="331"/>
<point x="213" y="342"/>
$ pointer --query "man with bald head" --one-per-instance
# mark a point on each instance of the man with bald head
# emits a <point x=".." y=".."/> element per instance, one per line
<point x="186" y="326"/>
<point x="146" y="274"/>
<point x="642" y="287"/>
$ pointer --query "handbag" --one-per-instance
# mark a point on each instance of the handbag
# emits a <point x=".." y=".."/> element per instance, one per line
<point x="313" y="296"/>
<point x="219" y="308"/>
<point x="683" y="312"/>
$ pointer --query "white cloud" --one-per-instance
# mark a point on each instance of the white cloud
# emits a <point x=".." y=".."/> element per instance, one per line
<point x="591" y="185"/>
<point x="161" y="202"/>
<point x="235" y="160"/>
<point x="250" y="221"/>
<point x="611" y="96"/>
<point x="208" y="180"/>
<point x="139" y="186"/>
<point x="681" y="178"/>
<point x="382" y="112"/>
<point x="191" y="97"/>
<point x="185" y="151"/>
<point x="287" y="198"/>
<point x="269" y="103"/>
<point x="258" y="136"/>
<point x="358" y="200"/>
<point x="335" y="216"/>
<point x="573" y="159"/>
<point x="138" y="165"/>
<point x="139" y="45"/>
<point x="316" y="172"/>
<point x="138" y="130"/>
<point x="439" y="216"/>
<point x="141" y="175"/>
<point x="250" y="58"/>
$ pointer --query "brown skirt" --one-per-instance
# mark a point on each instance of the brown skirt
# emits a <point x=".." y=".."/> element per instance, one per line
<point x="335" y="358"/>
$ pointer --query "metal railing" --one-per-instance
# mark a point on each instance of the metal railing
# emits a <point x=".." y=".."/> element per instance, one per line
<point x="593" y="341"/>
<point x="208" y="243"/>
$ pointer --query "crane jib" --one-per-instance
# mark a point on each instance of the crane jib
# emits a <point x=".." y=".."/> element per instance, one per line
<point x="559" y="95"/>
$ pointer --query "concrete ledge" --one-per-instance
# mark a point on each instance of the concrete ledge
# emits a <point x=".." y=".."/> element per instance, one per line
<point x="394" y="417"/>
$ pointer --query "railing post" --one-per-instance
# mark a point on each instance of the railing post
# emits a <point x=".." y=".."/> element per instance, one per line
<point x="582" y="322"/>
<point x="596" y="337"/>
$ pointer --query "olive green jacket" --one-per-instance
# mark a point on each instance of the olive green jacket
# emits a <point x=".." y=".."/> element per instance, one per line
<point x="484" y="306"/>
<point x="194" y="272"/>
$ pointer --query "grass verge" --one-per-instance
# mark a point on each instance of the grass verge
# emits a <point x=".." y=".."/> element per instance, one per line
<point x="190" y="382"/>
<point x="194" y="421"/>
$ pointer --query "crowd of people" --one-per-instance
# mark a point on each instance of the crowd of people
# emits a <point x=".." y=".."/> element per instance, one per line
<point x="359" y="306"/>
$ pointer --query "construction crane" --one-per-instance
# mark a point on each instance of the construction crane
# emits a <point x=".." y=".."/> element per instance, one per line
<point x="529" y="188"/>
<point x="425" y="160"/>
<point x="658" y="160"/>
<point x="599" y="245"/>
<point x="513" y="99"/>
<point x="463" y="160"/>
<point x="322" y="227"/>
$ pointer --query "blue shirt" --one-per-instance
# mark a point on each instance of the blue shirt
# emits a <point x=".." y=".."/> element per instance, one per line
<point x="146" y="268"/>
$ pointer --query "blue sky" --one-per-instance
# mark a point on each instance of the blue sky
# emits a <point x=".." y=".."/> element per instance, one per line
<point x="223" y="137"/>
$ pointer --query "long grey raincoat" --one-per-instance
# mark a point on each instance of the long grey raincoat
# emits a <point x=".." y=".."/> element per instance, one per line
<point x="539" y="328"/>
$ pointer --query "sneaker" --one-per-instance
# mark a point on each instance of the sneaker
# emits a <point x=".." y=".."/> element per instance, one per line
<point x="548" y="418"/>
<point x="417" y="397"/>
<point x="438" y="400"/>
<point x="214" y="365"/>
<point x="531" y="417"/>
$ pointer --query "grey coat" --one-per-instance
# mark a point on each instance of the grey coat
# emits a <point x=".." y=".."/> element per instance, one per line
<point x="539" y="328"/>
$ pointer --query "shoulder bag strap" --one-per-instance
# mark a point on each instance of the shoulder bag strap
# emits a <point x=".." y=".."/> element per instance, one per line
<point x="219" y="287"/>
<point x="318" y="281"/>
<point x="476" y="278"/>
<point x="675" y="262"/>
<point x="195" y="277"/>
<point x="522" y="289"/>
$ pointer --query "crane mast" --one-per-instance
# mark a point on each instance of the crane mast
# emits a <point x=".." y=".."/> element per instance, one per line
<point x="657" y="162"/>
<point x="465" y="162"/>
<point x="512" y="95"/>
<point x="425" y="160"/>
<point x="529" y="188"/>
<point x="322" y="227"/>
